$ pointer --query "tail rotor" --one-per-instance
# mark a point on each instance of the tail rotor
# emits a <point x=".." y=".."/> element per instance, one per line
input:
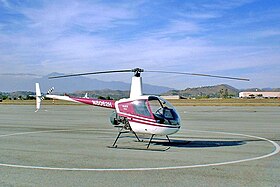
<point x="39" y="96"/>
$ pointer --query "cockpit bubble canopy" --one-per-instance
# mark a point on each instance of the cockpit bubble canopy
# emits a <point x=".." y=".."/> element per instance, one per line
<point x="163" y="111"/>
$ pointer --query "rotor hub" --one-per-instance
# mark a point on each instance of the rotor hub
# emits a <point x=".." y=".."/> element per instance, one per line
<point x="137" y="71"/>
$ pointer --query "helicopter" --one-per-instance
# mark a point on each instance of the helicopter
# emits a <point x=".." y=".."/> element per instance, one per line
<point x="139" y="114"/>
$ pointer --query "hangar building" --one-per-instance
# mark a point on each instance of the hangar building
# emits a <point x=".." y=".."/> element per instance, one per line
<point x="259" y="95"/>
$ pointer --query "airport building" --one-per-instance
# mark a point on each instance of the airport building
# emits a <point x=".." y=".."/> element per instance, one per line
<point x="171" y="97"/>
<point x="259" y="95"/>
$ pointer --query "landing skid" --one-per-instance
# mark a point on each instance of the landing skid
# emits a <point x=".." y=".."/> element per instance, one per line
<point x="139" y="148"/>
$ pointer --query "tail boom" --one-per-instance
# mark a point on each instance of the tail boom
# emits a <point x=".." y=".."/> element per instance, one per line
<point x="88" y="101"/>
<point x="83" y="100"/>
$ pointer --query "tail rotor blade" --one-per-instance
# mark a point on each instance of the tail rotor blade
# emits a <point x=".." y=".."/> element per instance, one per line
<point x="50" y="90"/>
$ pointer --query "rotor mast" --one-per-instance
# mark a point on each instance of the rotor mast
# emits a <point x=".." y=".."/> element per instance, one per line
<point x="136" y="88"/>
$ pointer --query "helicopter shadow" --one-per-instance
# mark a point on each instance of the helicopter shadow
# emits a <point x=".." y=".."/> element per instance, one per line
<point x="199" y="143"/>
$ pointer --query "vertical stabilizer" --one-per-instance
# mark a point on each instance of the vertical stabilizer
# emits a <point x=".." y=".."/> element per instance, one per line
<point x="38" y="97"/>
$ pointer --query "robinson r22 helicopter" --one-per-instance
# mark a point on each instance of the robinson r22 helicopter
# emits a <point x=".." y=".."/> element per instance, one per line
<point x="139" y="114"/>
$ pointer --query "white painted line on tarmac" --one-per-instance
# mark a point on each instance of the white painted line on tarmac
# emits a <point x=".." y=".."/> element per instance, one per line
<point x="276" y="150"/>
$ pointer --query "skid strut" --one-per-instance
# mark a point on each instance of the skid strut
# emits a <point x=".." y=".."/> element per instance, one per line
<point x="152" y="139"/>
<point x="168" y="139"/>
<point x="117" y="138"/>
<point x="121" y="132"/>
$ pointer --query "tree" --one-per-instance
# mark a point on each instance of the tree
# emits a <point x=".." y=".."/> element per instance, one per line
<point x="101" y="97"/>
<point x="226" y="93"/>
<point x="108" y="98"/>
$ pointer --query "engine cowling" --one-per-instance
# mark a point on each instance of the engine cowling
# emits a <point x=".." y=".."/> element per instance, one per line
<point x="119" y="121"/>
<point x="114" y="118"/>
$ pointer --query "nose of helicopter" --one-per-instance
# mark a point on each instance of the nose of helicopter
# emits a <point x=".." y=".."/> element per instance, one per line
<point x="166" y="131"/>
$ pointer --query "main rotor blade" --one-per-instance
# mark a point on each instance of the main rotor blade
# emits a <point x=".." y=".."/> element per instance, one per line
<point x="92" y="73"/>
<point x="137" y="72"/>
<point x="199" y="74"/>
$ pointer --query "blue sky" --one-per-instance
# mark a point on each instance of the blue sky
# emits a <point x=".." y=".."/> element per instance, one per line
<point x="229" y="38"/>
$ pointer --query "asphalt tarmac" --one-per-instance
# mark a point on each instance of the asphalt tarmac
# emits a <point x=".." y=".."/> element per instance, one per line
<point x="67" y="146"/>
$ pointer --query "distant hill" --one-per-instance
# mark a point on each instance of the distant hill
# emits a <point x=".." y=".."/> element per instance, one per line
<point x="15" y="87"/>
<point x="71" y="84"/>
<point x="208" y="91"/>
<point x="114" y="94"/>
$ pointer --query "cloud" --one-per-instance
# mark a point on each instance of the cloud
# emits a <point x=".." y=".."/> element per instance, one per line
<point x="201" y="16"/>
<point x="5" y="3"/>
<point x="82" y="36"/>
<point x="177" y="28"/>
<point x="61" y="17"/>
<point x="223" y="5"/>
<point x="266" y="33"/>
<point x="20" y="74"/>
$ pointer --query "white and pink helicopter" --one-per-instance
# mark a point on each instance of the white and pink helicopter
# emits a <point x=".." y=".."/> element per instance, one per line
<point x="138" y="114"/>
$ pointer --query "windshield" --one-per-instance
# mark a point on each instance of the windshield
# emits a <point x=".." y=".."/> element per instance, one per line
<point x="163" y="111"/>
<point x="140" y="108"/>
